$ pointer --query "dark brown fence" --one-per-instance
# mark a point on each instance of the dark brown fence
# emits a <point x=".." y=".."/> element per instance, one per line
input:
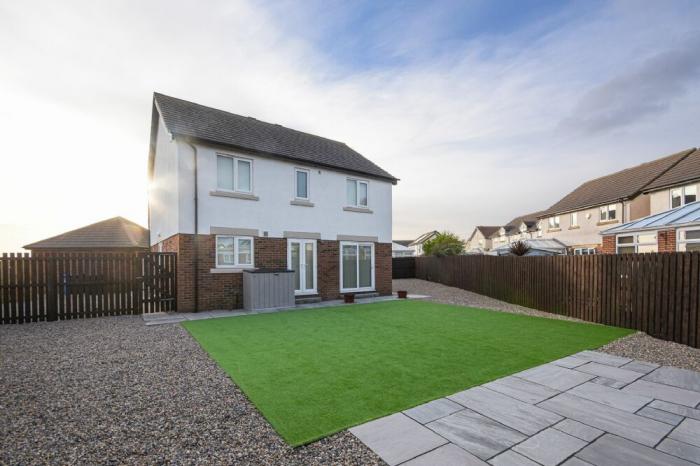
<point x="656" y="293"/>
<point x="403" y="267"/>
<point x="72" y="286"/>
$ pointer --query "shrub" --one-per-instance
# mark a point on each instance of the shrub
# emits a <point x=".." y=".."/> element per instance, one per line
<point x="444" y="244"/>
<point x="519" y="248"/>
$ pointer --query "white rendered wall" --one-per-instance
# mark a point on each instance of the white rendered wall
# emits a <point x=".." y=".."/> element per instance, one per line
<point x="163" y="197"/>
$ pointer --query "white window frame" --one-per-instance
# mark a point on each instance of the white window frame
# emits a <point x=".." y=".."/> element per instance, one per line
<point x="680" y="238"/>
<point x="606" y="210"/>
<point x="554" y="222"/>
<point x="358" y="182"/>
<point x="357" y="271"/>
<point x="584" y="251"/>
<point x="236" y="159"/>
<point x="635" y="241"/>
<point x="683" y="193"/>
<point x="308" y="184"/>
<point x="573" y="219"/>
<point x="236" y="264"/>
<point x="301" y="242"/>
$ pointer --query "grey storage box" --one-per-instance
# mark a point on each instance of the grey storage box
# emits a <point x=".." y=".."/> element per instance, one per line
<point x="268" y="289"/>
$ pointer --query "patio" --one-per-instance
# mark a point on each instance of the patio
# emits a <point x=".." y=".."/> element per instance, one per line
<point x="591" y="408"/>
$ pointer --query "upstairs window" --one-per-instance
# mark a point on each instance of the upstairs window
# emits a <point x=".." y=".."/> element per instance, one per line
<point x="608" y="212"/>
<point x="357" y="193"/>
<point x="684" y="195"/>
<point x="301" y="183"/>
<point x="234" y="251"/>
<point x="554" y="222"/>
<point x="234" y="174"/>
<point x="574" y="219"/>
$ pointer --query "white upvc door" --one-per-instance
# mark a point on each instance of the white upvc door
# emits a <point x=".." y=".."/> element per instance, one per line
<point x="301" y="257"/>
<point x="356" y="266"/>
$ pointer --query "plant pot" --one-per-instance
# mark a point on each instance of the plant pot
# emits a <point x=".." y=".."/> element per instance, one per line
<point x="349" y="298"/>
<point x="403" y="294"/>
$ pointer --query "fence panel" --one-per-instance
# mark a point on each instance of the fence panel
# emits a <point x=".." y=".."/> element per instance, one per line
<point x="403" y="267"/>
<point x="656" y="293"/>
<point x="69" y="286"/>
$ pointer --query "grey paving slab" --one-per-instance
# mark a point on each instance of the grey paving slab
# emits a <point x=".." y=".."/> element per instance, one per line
<point x="550" y="447"/>
<point x="681" y="378"/>
<point x="610" y="397"/>
<point x="522" y="389"/>
<point x="523" y="417"/>
<point x="570" y="362"/>
<point x="640" y="429"/>
<point x="680" y="449"/>
<point x="676" y="409"/>
<point x="433" y="410"/>
<point x="687" y="431"/>
<point x="446" y="455"/>
<point x="610" y="372"/>
<point x="511" y="458"/>
<point x="611" y="450"/>
<point x="640" y="366"/>
<point x="573" y="461"/>
<point x="579" y="430"/>
<point x="662" y="416"/>
<point x="608" y="382"/>
<point x="663" y="392"/>
<point x="477" y="434"/>
<point x="397" y="438"/>
<point x="553" y="376"/>
<point x="602" y="358"/>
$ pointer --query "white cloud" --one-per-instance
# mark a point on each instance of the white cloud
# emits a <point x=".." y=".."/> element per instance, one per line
<point x="475" y="134"/>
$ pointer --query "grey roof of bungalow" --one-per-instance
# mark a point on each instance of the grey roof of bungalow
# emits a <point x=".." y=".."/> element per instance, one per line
<point x="687" y="215"/>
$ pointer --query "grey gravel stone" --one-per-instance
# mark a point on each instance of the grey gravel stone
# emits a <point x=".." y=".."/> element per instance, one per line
<point x="643" y="347"/>
<point x="114" y="391"/>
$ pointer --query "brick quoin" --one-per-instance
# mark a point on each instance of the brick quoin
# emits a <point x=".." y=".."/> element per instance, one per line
<point x="225" y="290"/>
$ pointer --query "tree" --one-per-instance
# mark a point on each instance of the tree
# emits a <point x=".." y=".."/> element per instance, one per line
<point x="519" y="248"/>
<point x="444" y="244"/>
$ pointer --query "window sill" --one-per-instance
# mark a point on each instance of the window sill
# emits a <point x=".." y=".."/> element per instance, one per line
<point x="235" y="195"/>
<point x="607" y="222"/>
<point x="361" y="210"/>
<point x="301" y="203"/>
<point x="577" y="227"/>
<point x="553" y="230"/>
<point x="230" y="269"/>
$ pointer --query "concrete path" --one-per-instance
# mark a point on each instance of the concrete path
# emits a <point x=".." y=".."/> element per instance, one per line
<point x="587" y="409"/>
<point x="161" y="318"/>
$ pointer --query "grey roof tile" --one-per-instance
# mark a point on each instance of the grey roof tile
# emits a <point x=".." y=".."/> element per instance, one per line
<point x="113" y="233"/>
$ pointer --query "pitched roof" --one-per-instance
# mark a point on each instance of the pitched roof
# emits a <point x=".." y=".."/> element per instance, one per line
<point x="685" y="171"/>
<point x="403" y="242"/>
<point x="424" y="237"/>
<point x="487" y="231"/>
<point x="686" y="215"/>
<point x="624" y="184"/>
<point x="529" y="219"/>
<point x="208" y="124"/>
<point x="113" y="233"/>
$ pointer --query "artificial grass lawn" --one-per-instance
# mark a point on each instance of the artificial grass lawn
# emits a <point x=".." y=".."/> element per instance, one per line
<point x="317" y="371"/>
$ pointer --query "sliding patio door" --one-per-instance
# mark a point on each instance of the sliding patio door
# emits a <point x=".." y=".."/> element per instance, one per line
<point x="301" y="258"/>
<point x="356" y="266"/>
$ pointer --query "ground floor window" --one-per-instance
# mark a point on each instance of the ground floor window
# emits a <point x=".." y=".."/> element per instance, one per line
<point x="584" y="251"/>
<point x="642" y="242"/>
<point x="689" y="239"/>
<point x="356" y="266"/>
<point x="234" y="251"/>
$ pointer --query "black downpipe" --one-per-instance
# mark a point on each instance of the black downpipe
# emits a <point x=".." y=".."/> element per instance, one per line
<point x="195" y="265"/>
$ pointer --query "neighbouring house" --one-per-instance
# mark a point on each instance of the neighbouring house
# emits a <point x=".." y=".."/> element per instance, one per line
<point x="399" y="248"/>
<point x="230" y="193"/>
<point x="114" y="235"/>
<point x="538" y="247"/>
<point x="670" y="231"/>
<point x="579" y="217"/>
<point x="417" y="244"/>
<point x="480" y="240"/>
<point x="520" y="228"/>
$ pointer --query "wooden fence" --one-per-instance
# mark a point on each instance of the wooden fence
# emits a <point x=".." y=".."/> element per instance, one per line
<point x="403" y="267"/>
<point x="656" y="293"/>
<point x="71" y="286"/>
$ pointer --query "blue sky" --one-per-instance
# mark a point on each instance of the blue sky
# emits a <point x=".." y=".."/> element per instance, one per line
<point x="485" y="110"/>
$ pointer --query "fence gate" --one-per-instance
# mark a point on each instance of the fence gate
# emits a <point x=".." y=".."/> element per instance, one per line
<point x="79" y="285"/>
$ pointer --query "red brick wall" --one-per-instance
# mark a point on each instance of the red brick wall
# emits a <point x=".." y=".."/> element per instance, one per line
<point x="225" y="290"/>
<point x="608" y="245"/>
<point x="666" y="240"/>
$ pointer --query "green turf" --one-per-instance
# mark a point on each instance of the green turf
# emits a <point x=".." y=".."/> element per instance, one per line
<point x="317" y="371"/>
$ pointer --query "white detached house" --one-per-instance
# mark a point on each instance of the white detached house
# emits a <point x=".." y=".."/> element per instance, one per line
<point x="230" y="192"/>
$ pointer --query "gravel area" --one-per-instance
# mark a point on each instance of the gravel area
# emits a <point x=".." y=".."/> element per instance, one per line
<point x="637" y="346"/>
<point x="113" y="391"/>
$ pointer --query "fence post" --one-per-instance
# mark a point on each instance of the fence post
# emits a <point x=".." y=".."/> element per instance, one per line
<point x="51" y="289"/>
